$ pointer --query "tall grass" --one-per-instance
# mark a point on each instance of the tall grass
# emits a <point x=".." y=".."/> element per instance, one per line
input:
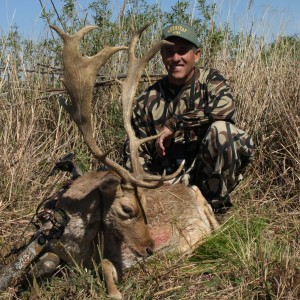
<point x="254" y="256"/>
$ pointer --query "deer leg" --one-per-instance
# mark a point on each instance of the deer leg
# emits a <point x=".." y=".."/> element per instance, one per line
<point x="211" y="216"/>
<point x="46" y="265"/>
<point x="110" y="277"/>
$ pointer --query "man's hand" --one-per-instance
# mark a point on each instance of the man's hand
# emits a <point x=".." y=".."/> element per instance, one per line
<point x="164" y="141"/>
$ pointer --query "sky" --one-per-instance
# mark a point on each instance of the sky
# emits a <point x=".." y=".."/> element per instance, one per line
<point x="270" y="17"/>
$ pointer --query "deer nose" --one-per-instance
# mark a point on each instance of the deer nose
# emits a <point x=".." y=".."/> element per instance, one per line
<point x="149" y="251"/>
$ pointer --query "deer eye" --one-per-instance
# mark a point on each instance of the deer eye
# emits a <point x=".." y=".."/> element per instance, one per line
<point x="128" y="210"/>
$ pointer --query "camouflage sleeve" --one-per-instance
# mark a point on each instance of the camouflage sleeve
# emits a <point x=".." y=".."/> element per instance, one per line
<point x="219" y="104"/>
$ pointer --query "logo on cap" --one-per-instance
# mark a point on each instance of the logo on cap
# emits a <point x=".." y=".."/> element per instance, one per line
<point x="176" y="30"/>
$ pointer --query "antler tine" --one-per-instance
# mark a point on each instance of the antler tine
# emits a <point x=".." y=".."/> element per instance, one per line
<point x="79" y="34"/>
<point x="133" y="41"/>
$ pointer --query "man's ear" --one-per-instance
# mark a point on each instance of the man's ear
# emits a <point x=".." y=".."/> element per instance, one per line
<point x="197" y="55"/>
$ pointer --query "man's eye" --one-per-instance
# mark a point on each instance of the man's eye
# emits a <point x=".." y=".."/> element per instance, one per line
<point x="169" y="52"/>
<point x="182" y="51"/>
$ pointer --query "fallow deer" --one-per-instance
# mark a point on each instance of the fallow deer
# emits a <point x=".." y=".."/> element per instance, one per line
<point x="103" y="204"/>
<point x="107" y="208"/>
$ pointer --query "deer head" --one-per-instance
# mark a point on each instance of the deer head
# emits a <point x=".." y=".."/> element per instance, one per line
<point x="123" y="216"/>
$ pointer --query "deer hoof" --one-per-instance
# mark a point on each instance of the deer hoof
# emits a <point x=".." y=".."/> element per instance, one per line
<point x="115" y="295"/>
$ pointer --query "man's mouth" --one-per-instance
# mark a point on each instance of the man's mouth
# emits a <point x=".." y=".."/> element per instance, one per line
<point x="176" y="68"/>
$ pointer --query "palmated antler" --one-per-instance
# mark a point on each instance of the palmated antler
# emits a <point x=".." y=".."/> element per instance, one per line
<point x="79" y="78"/>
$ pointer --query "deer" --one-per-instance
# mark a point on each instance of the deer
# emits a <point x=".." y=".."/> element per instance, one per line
<point x="105" y="210"/>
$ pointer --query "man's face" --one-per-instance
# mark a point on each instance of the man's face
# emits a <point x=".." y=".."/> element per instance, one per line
<point x="180" y="60"/>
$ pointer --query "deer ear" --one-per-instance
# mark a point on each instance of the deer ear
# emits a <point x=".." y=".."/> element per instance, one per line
<point x="110" y="186"/>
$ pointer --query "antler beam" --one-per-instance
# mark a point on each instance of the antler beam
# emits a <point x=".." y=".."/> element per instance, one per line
<point x="135" y="70"/>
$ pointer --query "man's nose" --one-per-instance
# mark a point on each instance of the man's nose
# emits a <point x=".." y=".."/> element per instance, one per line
<point x="176" y="56"/>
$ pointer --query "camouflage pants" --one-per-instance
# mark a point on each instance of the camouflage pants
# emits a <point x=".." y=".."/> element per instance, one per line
<point x="214" y="163"/>
<point x="224" y="152"/>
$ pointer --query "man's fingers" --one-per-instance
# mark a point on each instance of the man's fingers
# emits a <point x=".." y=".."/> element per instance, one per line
<point x="160" y="149"/>
<point x="163" y="141"/>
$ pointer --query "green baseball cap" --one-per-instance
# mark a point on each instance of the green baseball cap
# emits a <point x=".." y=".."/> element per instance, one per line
<point x="181" y="30"/>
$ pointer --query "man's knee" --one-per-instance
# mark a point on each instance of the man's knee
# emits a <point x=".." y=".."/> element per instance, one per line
<point x="225" y="143"/>
<point x="219" y="134"/>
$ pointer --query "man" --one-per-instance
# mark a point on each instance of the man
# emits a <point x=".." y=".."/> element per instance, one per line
<point x="194" y="109"/>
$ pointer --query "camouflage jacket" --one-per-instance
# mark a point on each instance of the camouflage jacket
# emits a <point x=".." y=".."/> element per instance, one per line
<point x="187" y="110"/>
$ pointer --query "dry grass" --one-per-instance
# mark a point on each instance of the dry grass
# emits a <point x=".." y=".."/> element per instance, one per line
<point x="254" y="256"/>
